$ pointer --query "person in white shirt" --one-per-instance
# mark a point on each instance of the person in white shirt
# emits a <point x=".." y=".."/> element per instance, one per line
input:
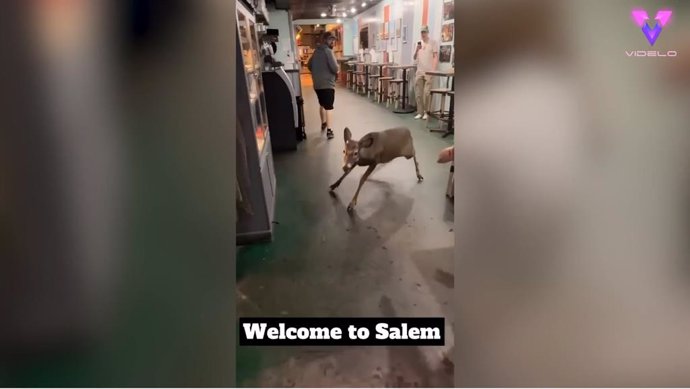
<point x="426" y="57"/>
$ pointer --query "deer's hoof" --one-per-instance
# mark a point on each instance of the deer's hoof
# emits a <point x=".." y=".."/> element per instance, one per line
<point x="332" y="188"/>
<point x="420" y="178"/>
<point x="350" y="208"/>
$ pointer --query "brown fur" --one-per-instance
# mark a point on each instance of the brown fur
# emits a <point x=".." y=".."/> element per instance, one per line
<point x="375" y="148"/>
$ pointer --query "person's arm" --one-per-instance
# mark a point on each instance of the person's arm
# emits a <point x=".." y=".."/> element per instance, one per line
<point x="416" y="51"/>
<point x="333" y="64"/>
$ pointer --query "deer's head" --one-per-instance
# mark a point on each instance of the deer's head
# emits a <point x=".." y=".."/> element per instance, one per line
<point x="352" y="149"/>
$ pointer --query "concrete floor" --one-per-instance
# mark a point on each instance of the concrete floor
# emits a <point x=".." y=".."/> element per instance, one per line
<point x="392" y="257"/>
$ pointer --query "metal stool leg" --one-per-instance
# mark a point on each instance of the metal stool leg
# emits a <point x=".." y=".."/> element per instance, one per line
<point x="431" y="108"/>
<point x="450" y="188"/>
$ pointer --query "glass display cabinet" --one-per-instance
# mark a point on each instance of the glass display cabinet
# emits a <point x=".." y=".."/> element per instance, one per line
<point x="256" y="182"/>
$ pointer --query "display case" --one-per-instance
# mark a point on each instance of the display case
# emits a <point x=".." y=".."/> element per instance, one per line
<point x="257" y="189"/>
<point x="251" y="55"/>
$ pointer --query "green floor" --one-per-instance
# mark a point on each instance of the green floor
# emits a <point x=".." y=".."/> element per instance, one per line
<point x="392" y="257"/>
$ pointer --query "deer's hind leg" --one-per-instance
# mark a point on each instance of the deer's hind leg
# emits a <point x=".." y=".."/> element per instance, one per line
<point x="416" y="168"/>
<point x="412" y="154"/>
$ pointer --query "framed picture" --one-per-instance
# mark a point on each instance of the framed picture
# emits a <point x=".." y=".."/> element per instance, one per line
<point x="446" y="53"/>
<point x="404" y="34"/>
<point x="398" y="25"/>
<point x="449" y="10"/>
<point x="447" y="32"/>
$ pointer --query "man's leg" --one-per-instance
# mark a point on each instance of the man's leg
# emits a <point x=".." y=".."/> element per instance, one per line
<point x="427" y="95"/>
<point x="324" y="118"/>
<point x="330" y="100"/>
<point x="419" y="95"/>
<point x="322" y="111"/>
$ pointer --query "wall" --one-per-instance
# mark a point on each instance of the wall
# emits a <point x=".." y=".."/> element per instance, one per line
<point x="412" y="13"/>
<point x="438" y="23"/>
<point x="349" y="29"/>
<point x="281" y="20"/>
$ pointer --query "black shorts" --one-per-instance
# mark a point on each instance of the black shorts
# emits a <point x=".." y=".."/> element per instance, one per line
<point x="326" y="98"/>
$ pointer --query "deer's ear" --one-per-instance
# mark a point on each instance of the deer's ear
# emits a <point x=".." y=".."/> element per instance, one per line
<point x="348" y="134"/>
<point x="367" y="141"/>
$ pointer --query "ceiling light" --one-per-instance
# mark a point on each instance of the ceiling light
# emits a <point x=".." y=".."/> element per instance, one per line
<point x="318" y="25"/>
<point x="364" y="5"/>
<point x="344" y="14"/>
<point x="323" y="14"/>
<point x="339" y="21"/>
<point x="353" y="10"/>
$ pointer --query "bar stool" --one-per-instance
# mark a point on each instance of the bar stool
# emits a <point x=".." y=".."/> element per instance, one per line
<point x="451" y="115"/>
<point x="355" y="79"/>
<point x="383" y="85"/>
<point x="395" y="93"/>
<point x="374" y="82"/>
<point x="383" y="89"/>
<point x="441" y="113"/>
<point x="349" y="77"/>
<point x="450" y="188"/>
<point x="359" y="83"/>
<point x="404" y="96"/>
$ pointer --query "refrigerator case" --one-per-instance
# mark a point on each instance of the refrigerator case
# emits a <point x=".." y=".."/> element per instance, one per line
<point x="258" y="187"/>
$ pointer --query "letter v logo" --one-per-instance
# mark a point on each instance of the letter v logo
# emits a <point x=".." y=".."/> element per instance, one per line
<point x="641" y="18"/>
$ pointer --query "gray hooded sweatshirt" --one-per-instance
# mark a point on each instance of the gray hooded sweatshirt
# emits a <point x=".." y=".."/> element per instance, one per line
<point x="323" y="67"/>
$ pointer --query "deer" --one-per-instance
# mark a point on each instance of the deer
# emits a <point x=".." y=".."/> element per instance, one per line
<point x="373" y="149"/>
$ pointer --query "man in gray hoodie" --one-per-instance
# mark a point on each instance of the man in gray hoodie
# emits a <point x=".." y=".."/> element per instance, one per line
<point x="324" y="70"/>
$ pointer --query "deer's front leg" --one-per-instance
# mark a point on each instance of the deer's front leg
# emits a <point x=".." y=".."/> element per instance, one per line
<point x="337" y="183"/>
<point x="361" y="182"/>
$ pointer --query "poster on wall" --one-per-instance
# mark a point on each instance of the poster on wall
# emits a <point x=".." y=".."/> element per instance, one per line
<point x="447" y="32"/>
<point x="446" y="53"/>
<point x="449" y="10"/>
<point x="398" y="26"/>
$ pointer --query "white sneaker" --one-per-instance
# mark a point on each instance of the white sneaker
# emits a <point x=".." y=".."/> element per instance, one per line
<point x="425" y="117"/>
<point x="419" y="116"/>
